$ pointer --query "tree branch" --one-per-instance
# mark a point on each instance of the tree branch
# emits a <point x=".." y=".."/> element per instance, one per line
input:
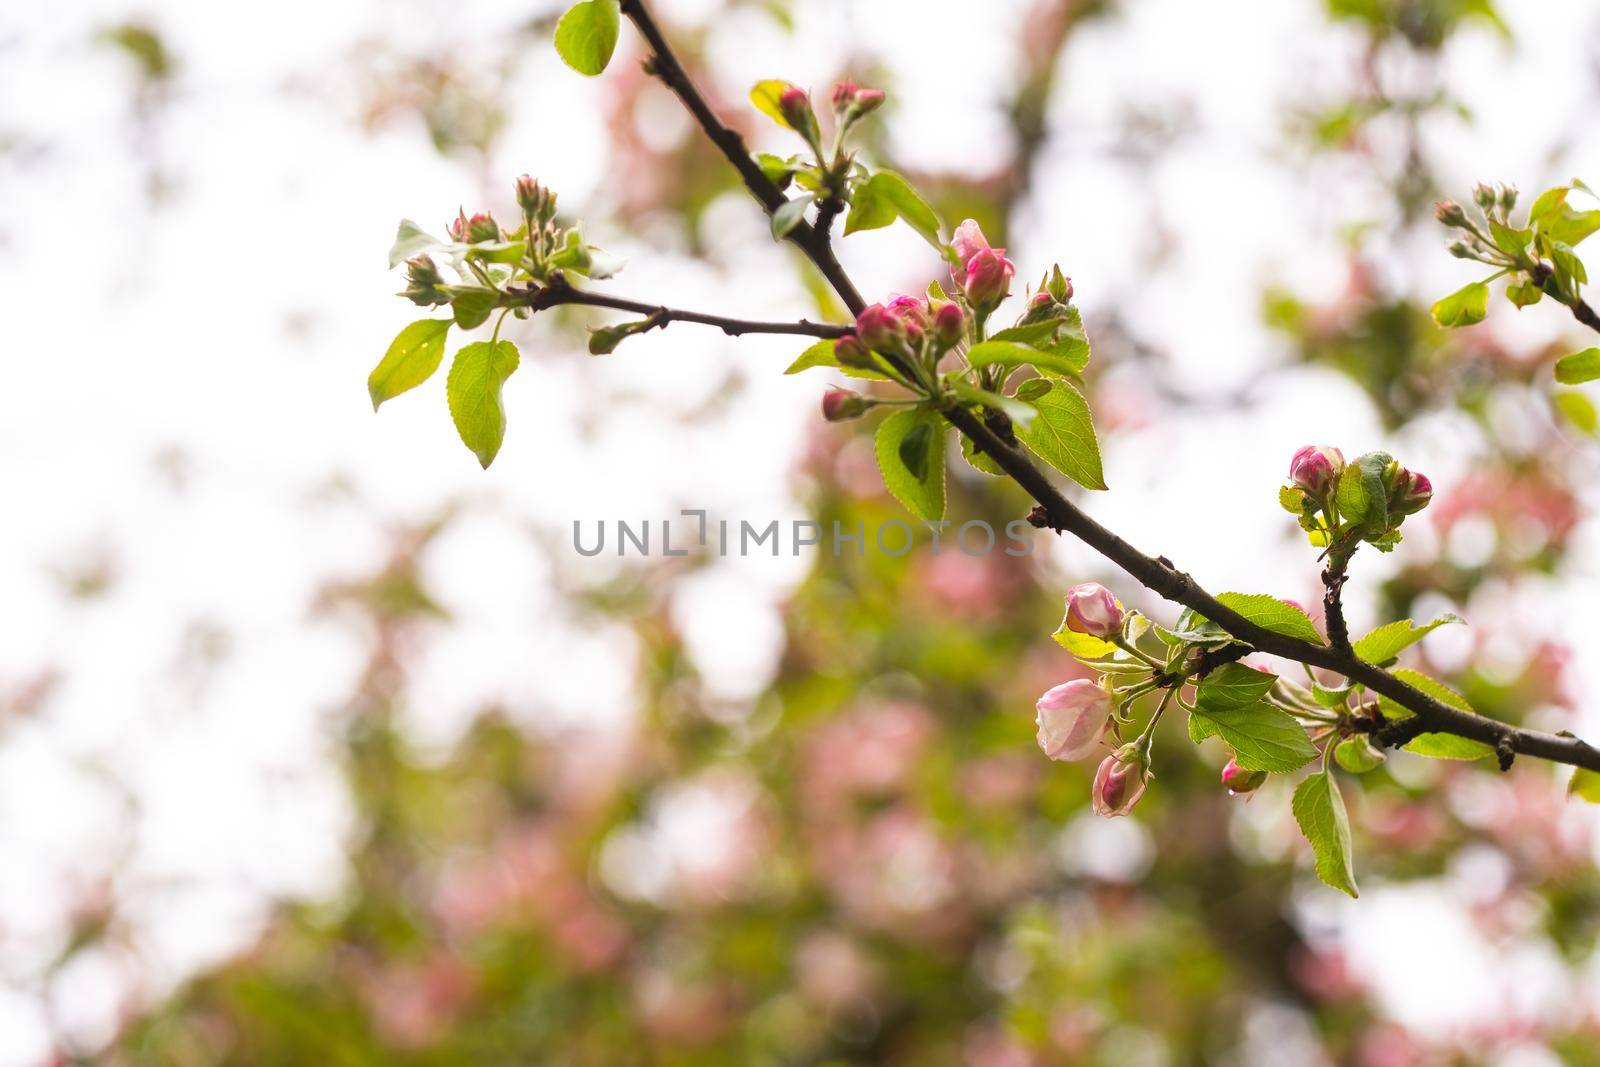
<point x="1333" y="578"/>
<point x="1544" y="278"/>
<point x="1155" y="573"/>
<point x="811" y="240"/>
<point x="562" y="292"/>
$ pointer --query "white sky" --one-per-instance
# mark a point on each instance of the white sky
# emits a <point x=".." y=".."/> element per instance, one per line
<point x="132" y="335"/>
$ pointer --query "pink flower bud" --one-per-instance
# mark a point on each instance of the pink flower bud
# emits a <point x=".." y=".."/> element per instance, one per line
<point x="795" y="106"/>
<point x="480" y="227"/>
<point x="1409" y="492"/>
<point x="988" y="279"/>
<point x="422" y="282"/>
<point x="949" y="325"/>
<point x="1072" y="718"/>
<point x="968" y="241"/>
<point x="1118" y="785"/>
<point x="869" y="100"/>
<point x="1315" y="468"/>
<point x="881" y="330"/>
<point x="1238" y="780"/>
<point x="841" y="404"/>
<point x="534" y="199"/>
<point x="850" y="352"/>
<point x="1092" y="610"/>
<point x="844" y="94"/>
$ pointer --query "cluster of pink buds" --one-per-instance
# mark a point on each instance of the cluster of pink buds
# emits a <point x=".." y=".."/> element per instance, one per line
<point x="983" y="273"/>
<point x="907" y="328"/>
<point x="851" y="102"/>
<point x="538" y="203"/>
<point x="480" y="227"/>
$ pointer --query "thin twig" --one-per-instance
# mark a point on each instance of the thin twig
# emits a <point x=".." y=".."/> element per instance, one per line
<point x="561" y="292"/>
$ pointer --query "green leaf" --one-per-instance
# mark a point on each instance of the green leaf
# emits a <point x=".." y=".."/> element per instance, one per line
<point x="910" y="449"/>
<point x="1435" y="745"/>
<point x="978" y="460"/>
<point x="790" y="215"/>
<point x="1319" y="809"/>
<point x="1358" y="754"/>
<point x="1062" y="339"/>
<point x="1071" y="343"/>
<point x="1011" y="354"/>
<point x="1571" y="228"/>
<point x="1585" y="784"/>
<point x="604" y="340"/>
<point x="408" y="241"/>
<point x="1270" y="613"/>
<point x="1229" y="704"/>
<point x="822" y="354"/>
<point x="818" y="355"/>
<point x="1360" y="493"/>
<point x="1233" y="686"/>
<point x="473" y="387"/>
<point x="765" y="96"/>
<point x="1579" y="367"/>
<point x="1084" y="646"/>
<point x="413" y="356"/>
<point x="1511" y="242"/>
<point x="1062" y="434"/>
<point x="1262" y="737"/>
<point x="472" y="306"/>
<point x="886" y="196"/>
<point x="587" y="35"/>
<point x="1020" y="412"/>
<point x="1463" y="307"/>
<point x="1389" y="640"/>
<point x="1524" y="294"/>
<point x="1578" y="411"/>
<point x="1549" y="201"/>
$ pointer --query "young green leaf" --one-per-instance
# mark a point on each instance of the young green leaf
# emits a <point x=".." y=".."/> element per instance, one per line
<point x="1585" y="784"/>
<point x="1011" y="354"/>
<point x="412" y="358"/>
<point x="1435" y="745"/>
<point x="1358" y="754"/>
<point x="1062" y="434"/>
<point x="765" y="96"/>
<point x="1019" y="411"/>
<point x="472" y="306"/>
<point x="1263" y="737"/>
<point x="1463" y="307"/>
<point x="790" y="215"/>
<point x="587" y="35"/>
<point x="1319" y="809"/>
<point x="1233" y="686"/>
<point x="979" y="460"/>
<point x="473" y="388"/>
<point x="910" y="450"/>
<point x="1360" y="493"/>
<point x="604" y="340"/>
<point x="1578" y="411"/>
<point x="1270" y="613"/>
<point x="886" y="196"/>
<point x="1389" y="640"/>
<point x="1579" y="367"/>
<point x="822" y="354"/>
<point x="408" y="241"/>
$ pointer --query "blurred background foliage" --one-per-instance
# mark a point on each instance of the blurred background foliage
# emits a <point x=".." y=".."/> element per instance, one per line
<point x="869" y="862"/>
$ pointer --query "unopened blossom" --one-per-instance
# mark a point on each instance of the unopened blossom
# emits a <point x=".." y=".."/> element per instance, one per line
<point x="881" y="330"/>
<point x="422" y="282"/>
<point x="1315" y="468"/>
<point x="795" y="105"/>
<point x="1238" y="780"/>
<point x="850" y="352"/>
<point x="1118" y="785"/>
<point x="949" y="325"/>
<point x="1072" y="718"/>
<point x="534" y="199"/>
<point x="841" y="404"/>
<point x="914" y="315"/>
<point x="1092" y="610"/>
<point x="851" y="102"/>
<point x="1409" y="491"/>
<point x="984" y="273"/>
